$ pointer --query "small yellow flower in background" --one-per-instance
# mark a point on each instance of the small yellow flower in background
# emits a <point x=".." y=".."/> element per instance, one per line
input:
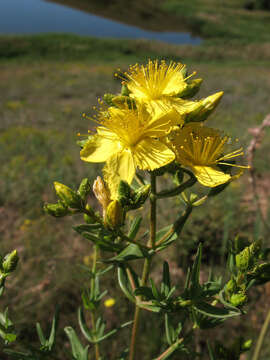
<point x="14" y="105"/>
<point x="109" y="302"/>
<point x="127" y="139"/>
<point x="202" y="149"/>
<point x="26" y="225"/>
<point x="87" y="260"/>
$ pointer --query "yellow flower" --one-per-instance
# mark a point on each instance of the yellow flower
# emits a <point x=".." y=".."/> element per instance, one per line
<point x="127" y="139"/>
<point x="202" y="149"/>
<point x="162" y="87"/>
<point x="109" y="302"/>
<point x="155" y="80"/>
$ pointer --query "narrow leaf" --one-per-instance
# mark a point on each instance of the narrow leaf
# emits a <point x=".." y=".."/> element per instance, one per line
<point x="40" y="334"/>
<point x="124" y="283"/>
<point x="213" y="311"/>
<point x="82" y="323"/>
<point x="134" y="227"/>
<point x="166" y="281"/>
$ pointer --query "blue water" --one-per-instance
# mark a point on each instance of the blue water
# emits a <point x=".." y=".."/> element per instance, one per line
<point x="39" y="16"/>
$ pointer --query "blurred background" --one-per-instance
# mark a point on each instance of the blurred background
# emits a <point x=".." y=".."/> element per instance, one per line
<point x="56" y="58"/>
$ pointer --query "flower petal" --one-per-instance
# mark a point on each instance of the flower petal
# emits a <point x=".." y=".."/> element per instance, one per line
<point x="152" y="154"/>
<point x="210" y="176"/>
<point x="118" y="167"/>
<point x="99" y="148"/>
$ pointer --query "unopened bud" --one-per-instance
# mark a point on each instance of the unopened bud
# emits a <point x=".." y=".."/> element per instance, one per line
<point x="124" y="90"/>
<point x="84" y="189"/>
<point x="141" y="195"/>
<point x="124" y="101"/>
<point x="230" y="286"/>
<point x="191" y="89"/>
<point x="238" y="299"/>
<point x="203" y="108"/>
<point x="10" y="262"/>
<point x="246" y="345"/>
<point x="108" y="98"/>
<point x="124" y="193"/>
<point x="56" y="210"/>
<point x="102" y="194"/>
<point x="244" y="260"/>
<point x="68" y="196"/>
<point x="114" y="214"/>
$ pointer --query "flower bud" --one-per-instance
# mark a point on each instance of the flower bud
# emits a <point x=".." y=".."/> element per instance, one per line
<point x="56" y="210"/>
<point x="124" y="90"/>
<point x="124" y="193"/>
<point x="191" y="89"/>
<point x="246" y="345"/>
<point x="68" y="196"/>
<point x="84" y="189"/>
<point x="10" y="262"/>
<point x="244" y="260"/>
<point x="114" y="214"/>
<point x="230" y="286"/>
<point x="108" y="98"/>
<point x="203" y="108"/>
<point x="238" y="299"/>
<point x="102" y="194"/>
<point x="141" y="195"/>
<point x="124" y="101"/>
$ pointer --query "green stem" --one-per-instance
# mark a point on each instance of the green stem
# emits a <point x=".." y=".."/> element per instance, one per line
<point x="170" y="350"/>
<point x="179" y="189"/>
<point x="147" y="263"/>
<point x="153" y="211"/>
<point x="261" y="337"/>
<point x="92" y="284"/>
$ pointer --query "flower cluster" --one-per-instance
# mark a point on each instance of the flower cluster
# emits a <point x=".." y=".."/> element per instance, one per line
<point x="153" y="122"/>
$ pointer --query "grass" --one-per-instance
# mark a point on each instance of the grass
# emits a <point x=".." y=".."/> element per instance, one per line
<point x="47" y="82"/>
<point x="222" y="20"/>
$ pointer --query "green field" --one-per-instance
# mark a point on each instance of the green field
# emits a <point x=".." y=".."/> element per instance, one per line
<point x="47" y="82"/>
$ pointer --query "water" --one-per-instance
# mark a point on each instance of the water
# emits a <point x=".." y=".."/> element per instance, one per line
<point x="39" y="16"/>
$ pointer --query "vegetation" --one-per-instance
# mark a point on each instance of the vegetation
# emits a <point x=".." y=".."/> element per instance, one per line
<point x="47" y="82"/>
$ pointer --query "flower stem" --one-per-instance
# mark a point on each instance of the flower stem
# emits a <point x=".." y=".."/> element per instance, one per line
<point x="147" y="263"/>
<point x="261" y="337"/>
<point x="170" y="350"/>
<point x="92" y="284"/>
<point x="153" y="211"/>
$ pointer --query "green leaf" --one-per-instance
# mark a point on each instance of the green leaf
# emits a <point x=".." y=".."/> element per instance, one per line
<point x="4" y="320"/>
<point x="134" y="227"/>
<point x="82" y="323"/>
<point x="213" y="311"/>
<point x="144" y="291"/>
<point x="155" y="291"/>
<point x="40" y="334"/>
<point x="90" y="228"/>
<point x="211" y="288"/>
<point x="53" y="330"/>
<point x="169" y="330"/>
<point x="102" y="242"/>
<point x="124" y="283"/>
<point x="131" y="252"/>
<point x="195" y="272"/>
<point x="211" y="352"/>
<point x="78" y="351"/>
<point x="166" y="281"/>
<point x="114" y="331"/>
